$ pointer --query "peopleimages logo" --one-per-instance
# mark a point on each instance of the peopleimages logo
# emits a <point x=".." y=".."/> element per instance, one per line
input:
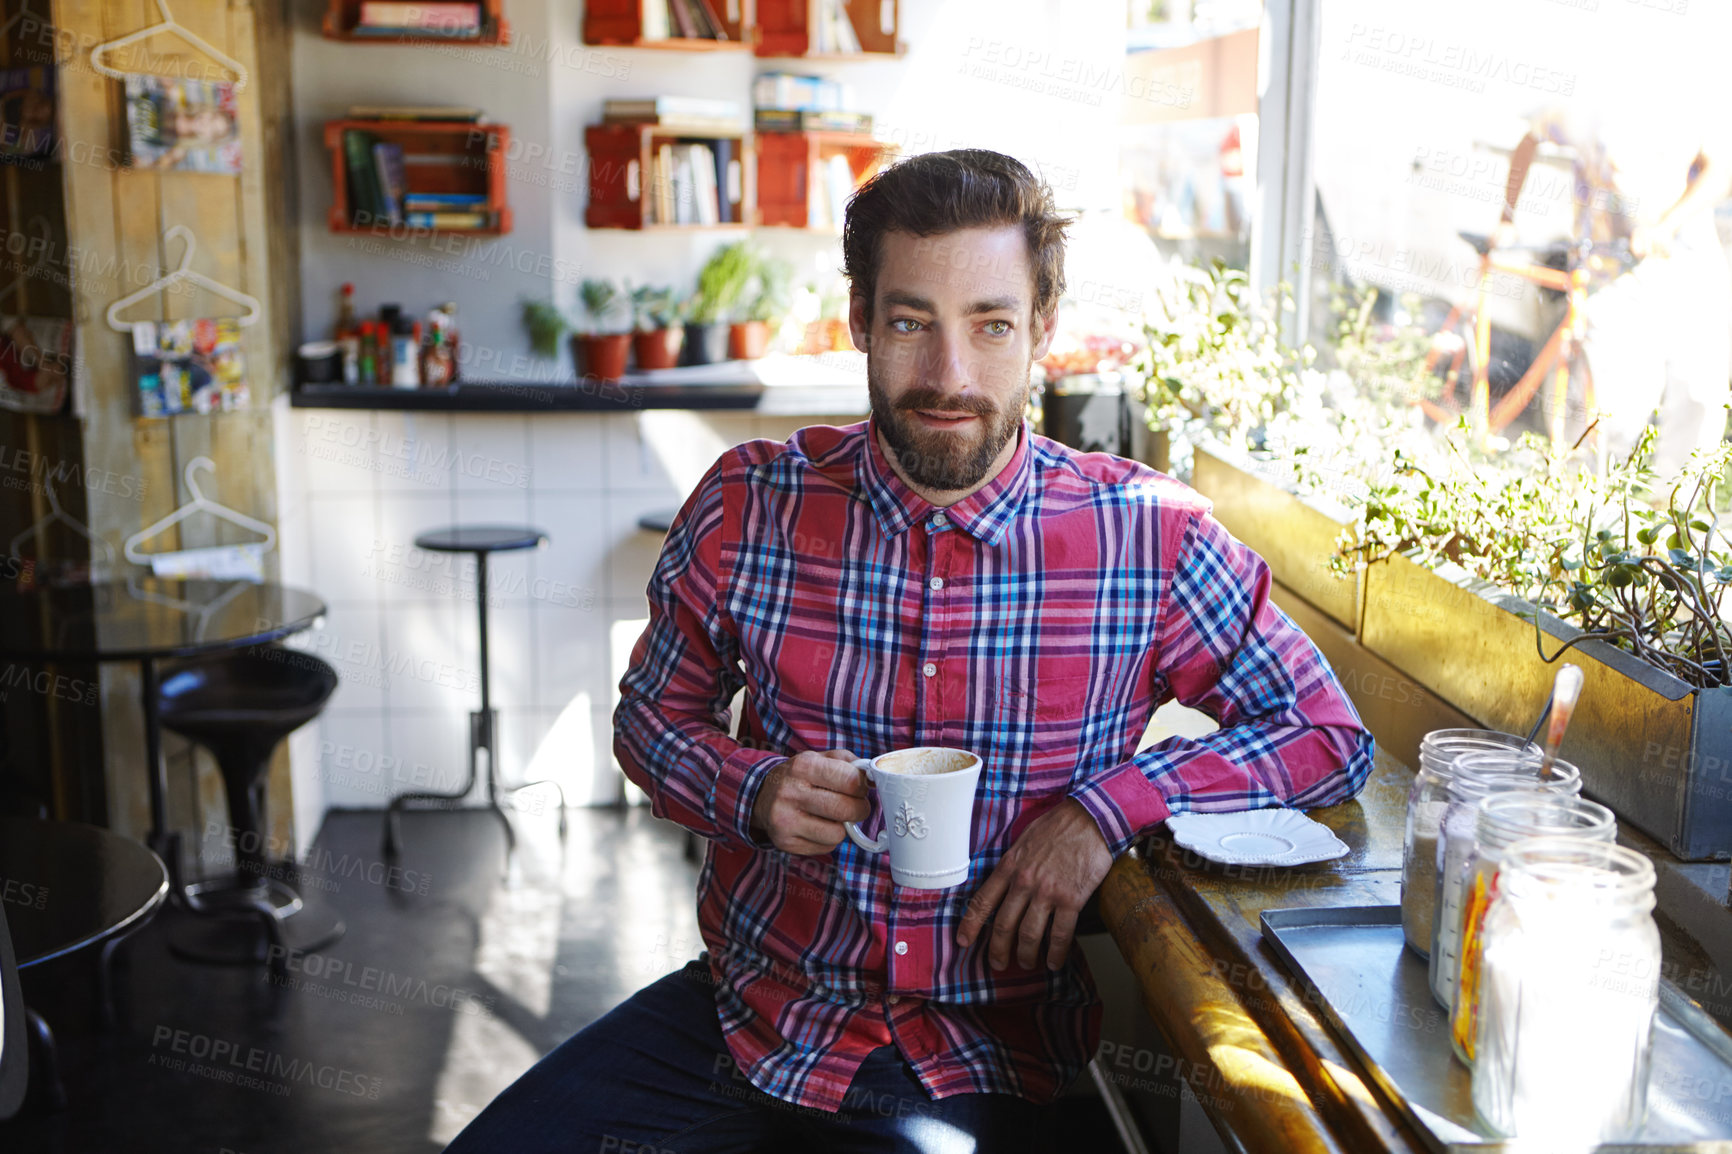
<point x="224" y="1061"/>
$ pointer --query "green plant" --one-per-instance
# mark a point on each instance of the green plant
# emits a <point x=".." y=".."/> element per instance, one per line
<point x="601" y="301"/>
<point x="654" y="308"/>
<point x="721" y="282"/>
<point x="774" y="283"/>
<point x="1625" y="558"/>
<point x="1214" y="357"/>
<point x="546" y="323"/>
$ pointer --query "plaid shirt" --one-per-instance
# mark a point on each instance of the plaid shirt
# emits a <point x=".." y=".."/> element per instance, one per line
<point x="1038" y="622"/>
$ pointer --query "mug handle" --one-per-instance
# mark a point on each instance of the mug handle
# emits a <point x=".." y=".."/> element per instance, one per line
<point x="860" y="839"/>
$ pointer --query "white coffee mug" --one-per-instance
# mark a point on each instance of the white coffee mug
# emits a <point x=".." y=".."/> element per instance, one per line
<point x="926" y="796"/>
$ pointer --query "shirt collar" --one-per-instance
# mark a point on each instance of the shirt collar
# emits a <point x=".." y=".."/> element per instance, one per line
<point x="983" y="514"/>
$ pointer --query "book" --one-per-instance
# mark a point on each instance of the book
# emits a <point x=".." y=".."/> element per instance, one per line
<point x="185" y="125"/>
<point x="786" y="90"/>
<point x="706" y="204"/>
<point x="395" y="14"/>
<point x="788" y="120"/>
<point x="712" y="19"/>
<point x="363" y="186"/>
<point x="726" y="202"/>
<point x="451" y="221"/>
<point x="388" y="171"/>
<point x="444" y="201"/>
<point x="391" y="32"/>
<point x="654" y="20"/>
<point x="651" y="106"/>
<point x="685" y="125"/>
<point x="683" y="18"/>
<point x="663" y="205"/>
<point x="413" y="112"/>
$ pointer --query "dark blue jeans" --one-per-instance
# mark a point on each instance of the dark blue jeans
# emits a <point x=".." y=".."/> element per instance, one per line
<point x="655" y="1077"/>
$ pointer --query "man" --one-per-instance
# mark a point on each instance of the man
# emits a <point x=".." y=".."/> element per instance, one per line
<point x="935" y="576"/>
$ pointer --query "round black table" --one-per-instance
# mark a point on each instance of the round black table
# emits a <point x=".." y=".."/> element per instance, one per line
<point x="70" y="886"/>
<point x="479" y="540"/>
<point x="146" y="619"/>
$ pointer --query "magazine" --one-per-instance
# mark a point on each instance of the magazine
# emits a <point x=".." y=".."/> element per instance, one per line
<point x="26" y="113"/>
<point x="190" y="125"/>
<point x="189" y="366"/>
<point x="35" y="363"/>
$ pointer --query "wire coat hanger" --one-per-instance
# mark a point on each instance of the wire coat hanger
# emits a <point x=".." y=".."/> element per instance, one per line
<point x="57" y="514"/>
<point x="169" y="24"/>
<point x="199" y="503"/>
<point x="183" y="273"/>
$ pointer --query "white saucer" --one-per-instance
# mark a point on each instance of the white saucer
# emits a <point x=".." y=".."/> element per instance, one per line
<point x="1280" y="837"/>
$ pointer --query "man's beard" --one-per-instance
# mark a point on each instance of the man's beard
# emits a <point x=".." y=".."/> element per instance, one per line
<point x="939" y="459"/>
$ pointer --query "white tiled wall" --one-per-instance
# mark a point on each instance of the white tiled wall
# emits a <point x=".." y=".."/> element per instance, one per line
<point x="357" y="486"/>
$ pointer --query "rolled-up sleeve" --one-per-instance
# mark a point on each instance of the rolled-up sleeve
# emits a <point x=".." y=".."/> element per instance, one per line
<point x="1289" y="736"/>
<point x="671" y="725"/>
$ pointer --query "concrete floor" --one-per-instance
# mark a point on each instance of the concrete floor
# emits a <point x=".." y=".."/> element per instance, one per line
<point x="450" y="981"/>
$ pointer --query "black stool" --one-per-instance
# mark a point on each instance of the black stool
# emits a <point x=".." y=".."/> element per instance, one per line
<point x="479" y="540"/>
<point x="240" y="705"/>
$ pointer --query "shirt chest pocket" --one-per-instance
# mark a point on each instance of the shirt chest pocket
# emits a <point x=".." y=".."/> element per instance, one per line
<point x="1038" y="721"/>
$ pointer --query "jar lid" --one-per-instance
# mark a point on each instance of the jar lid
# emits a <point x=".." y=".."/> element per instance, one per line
<point x="1477" y="774"/>
<point x="1509" y="816"/>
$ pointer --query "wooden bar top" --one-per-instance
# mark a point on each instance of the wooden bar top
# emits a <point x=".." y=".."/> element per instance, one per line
<point x="1189" y="930"/>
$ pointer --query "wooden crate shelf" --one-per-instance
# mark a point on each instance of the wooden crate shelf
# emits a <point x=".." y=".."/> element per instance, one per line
<point x="466" y="157"/>
<point x="342" y="16"/>
<point x="619" y="175"/>
<point x="788" y="163"/>
<point x="619" y="23"/>
<point x="784" y="28"/>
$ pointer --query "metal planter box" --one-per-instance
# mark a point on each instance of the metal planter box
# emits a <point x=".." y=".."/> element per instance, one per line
<point x="1294" y="535"/>
<point x="1654" y="749"/>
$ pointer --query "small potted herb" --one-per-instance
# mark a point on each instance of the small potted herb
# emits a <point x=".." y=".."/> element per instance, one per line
<point x="603" y="342"/>
<point x="659" y="334"/>
<point x="773" y="280"/>
<point x="721" y="283"/>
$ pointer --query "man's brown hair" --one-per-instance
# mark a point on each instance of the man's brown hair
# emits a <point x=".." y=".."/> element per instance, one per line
<point x="940" y="192"/>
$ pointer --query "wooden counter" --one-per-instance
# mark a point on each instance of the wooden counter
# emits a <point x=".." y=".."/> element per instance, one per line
<point x="1277" y="1078"/>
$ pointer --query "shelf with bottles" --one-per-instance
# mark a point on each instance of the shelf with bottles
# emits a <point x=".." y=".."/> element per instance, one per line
<point x="675" y="25"/>
<point x="830" y="30"/>
<point x="394" y="350"/>
<point x="446" y="176"/>
<point x="803" y="179"/>
<point x="650" y="177"/>
<point x="421" y="24"/>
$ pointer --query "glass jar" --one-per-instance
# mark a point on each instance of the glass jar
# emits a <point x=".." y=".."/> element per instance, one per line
<point x="1476" y="775"/>
<point x="1426" y="801"/>
<point x="1501" y="819"/>
<point x="1569" y="985"/>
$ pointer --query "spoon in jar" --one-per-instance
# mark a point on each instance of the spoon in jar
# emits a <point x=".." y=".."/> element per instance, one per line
<point x="1566" y="691"/>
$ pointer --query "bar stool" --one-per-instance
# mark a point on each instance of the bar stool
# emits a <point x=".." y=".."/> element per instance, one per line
<point x="479" y="540"/>
<point x="240" y="705"/>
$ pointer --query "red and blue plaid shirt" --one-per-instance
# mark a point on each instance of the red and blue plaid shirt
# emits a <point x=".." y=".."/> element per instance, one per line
<point x="1039" y="623"/>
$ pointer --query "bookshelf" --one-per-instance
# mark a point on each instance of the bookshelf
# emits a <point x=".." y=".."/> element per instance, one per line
<point x="342" y="17"/>
<point x="787" y="28"/>
<point x="620" y="22"/>
<point x="440" y="156"/>
<point x="623" y="160"/>
<point x="790" y="163"/>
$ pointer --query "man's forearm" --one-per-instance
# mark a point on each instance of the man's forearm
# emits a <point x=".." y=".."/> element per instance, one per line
<point x="694" y="773"/>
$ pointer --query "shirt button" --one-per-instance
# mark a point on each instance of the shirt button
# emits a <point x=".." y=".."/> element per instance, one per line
<point x="936" y="583"/>
<point x="939" y="520"/>
<point x="929" y="669"/>
<point x="893" y="999"/>
<point x="901" y="947"/>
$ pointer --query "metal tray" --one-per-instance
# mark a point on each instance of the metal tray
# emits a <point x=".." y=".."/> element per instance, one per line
<point x="1355" y="966"/>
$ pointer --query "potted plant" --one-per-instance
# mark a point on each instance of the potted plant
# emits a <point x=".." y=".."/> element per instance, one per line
<point x="721" y="282"/>
<point x="659" y="334"/>
<point x="773" y="280"/>
<point x="602" y="343"/>
<point x="545" y="323"/>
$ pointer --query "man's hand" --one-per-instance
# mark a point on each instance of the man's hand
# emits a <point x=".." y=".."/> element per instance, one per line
<point x="1048" y="874"/>
<point x="804" y="801"/>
